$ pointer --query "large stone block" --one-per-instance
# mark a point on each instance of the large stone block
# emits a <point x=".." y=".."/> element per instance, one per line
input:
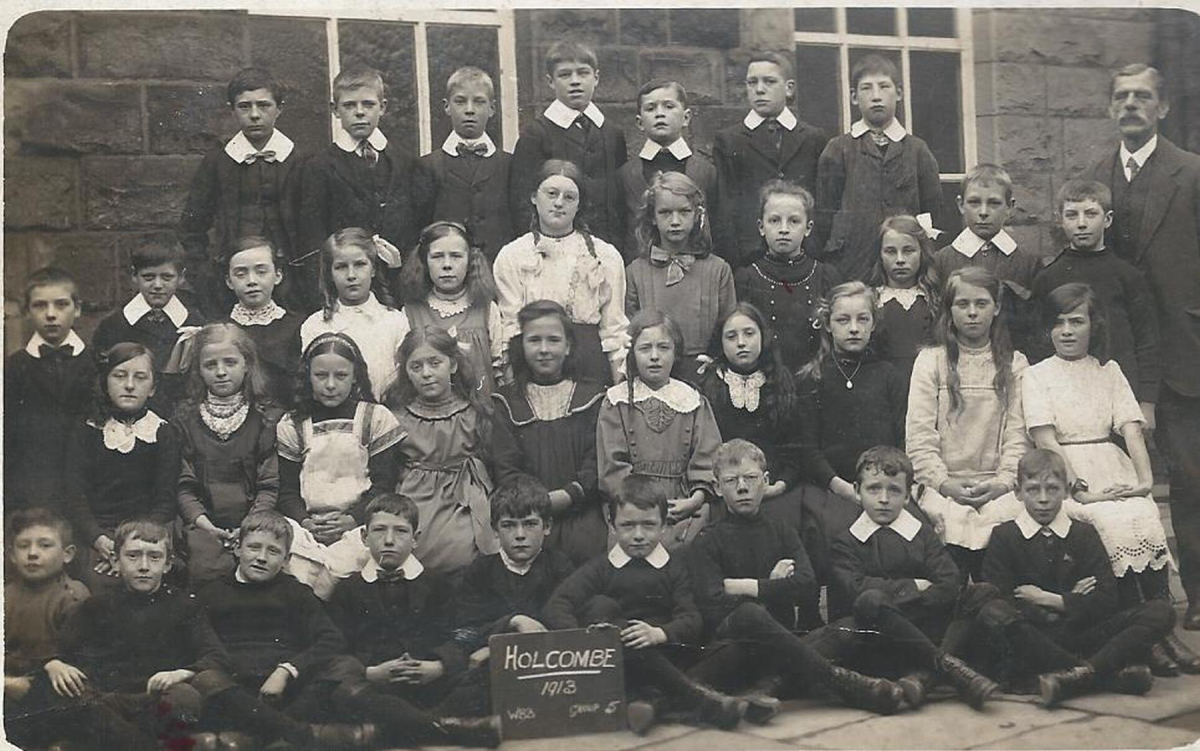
<point x="39" y="44"/>
<point x="1015" y="88"/>
<point x="1027" y="143"/>
<point x="1077" y="92"/>
<point x="1085" y="141"/>
<point x="188" y="46"/>
<point x="1033" y="238"/>
<point x="296" y="50"/>
<point x="388" y="47"/>
<point x="1029" y="36"/>
<point x="188" y="118"/>
<point x="55" y="117"/>
<point x="591" y="27"/>
<point x="41" y="192"/>
<point x="619" y="76"/>
<point x="136" y="192"/>
<point x="1034" y="199"/>
<point x="695" y="27"/>
<point x="643" y="26"/>
<point x="706" y="121"/>
<point x="90" y="257"/>
<point x="766" y="28"/>
<point x="701" y="73"/>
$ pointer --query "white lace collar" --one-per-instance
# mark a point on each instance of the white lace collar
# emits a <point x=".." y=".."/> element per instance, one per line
<point x="122" y="436"/>
<point x="675" y="394"/>
<point x="658" y="557"/>
<point x="564" y="117"/>
<point x="264" y="316"/>
<point x="449" y="308"/>
<point x="968" y="243"/>
<point x="906" y="525"/>
<point x="136" y="308"/>
<point x="239" y="147"/>
<point x="905" y="296"/>
<point x="744" y="390"/>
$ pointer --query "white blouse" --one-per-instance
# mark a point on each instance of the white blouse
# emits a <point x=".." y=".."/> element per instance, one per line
<point x="374" y="327"/>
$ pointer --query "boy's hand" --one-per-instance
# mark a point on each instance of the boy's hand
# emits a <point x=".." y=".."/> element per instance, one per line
<point x="420" y="672"/>
<point x="163" y="680"/>
<point x="1084" y="586"/>
<point x="783" y="569"/>
<point x="741" y="587"/>
<point x="526" y="625"/>
<point x="106" y="549"/>
<point x="639" y="635"/>
<point x="679" y="509"/>
<point x="843" y="489"/>
<point x="922" y="584"/>
<point x="275" y="684"/>
<point x="386" y="672"/>
<point x="775" y="489"/>
<point x="478" y="657"/>
<point x="67" y="680"/>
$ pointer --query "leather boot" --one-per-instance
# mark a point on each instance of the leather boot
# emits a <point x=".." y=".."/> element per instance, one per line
<point x="718" y="709"/>
<point x="475" y="732"/>
<point x="1131" y="679"/>
<point x="971" y="686"/>
<point x="877" y="695"/>
<point x="1187" y="660"/>
<point x="916" y="687"/>
<point x="760" y="708"/>
<point x="343" y="736"/>
<point x="641" y="715"/>
<point x="1161" y="662"/>
<point x="1064" y="684"/>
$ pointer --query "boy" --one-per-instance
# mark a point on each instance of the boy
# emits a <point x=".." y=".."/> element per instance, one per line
<point x="469" y="173"/>
<point x="646" y="593"/>
<point x="1057" y="598"/>
<point x="662" y="115"/>
<point x="248" y="187"/>
<point x="1084" y="209"/>
<point x="571" y="128"/>
<point x="876" y="170"/>
<point x="787" y="284"/>
<point x="47" y="390"/>
<point x="253" y="270"/>
<point x="397" y="623"/>
<point x="903" y="585"/>
<point x="40" y="596"/>
<point x="357" y="181"/>
<point x="751" y="573"/>
<point x="154" y="318"/>
<point x="770" y="142"/>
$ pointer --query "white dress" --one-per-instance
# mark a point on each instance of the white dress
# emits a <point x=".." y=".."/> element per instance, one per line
<point x="1087" y="403"/>
<point x="374" y="327"/>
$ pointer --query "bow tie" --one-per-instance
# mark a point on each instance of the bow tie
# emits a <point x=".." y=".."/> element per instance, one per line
<point x="479" y="148"/>
<point x="678" y="264"/>
<point x="156" y="315"/>
<point x="389" y="576"/>
<point x="50" y="352"/>
<point x="267" y="156"/>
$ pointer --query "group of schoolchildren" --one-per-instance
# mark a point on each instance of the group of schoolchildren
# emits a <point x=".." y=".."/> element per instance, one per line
<point x="480" y="393"/>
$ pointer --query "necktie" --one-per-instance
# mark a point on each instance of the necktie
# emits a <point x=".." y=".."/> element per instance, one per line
<point x="776" y="132"/>
<point x="584" y="124"/>
<point x="267" y="156"/>
<point x="1049" y="547"/>
<point x="50" y="352"/>
<point x="478" y="148"/>
<point x="1133" y="168"/>
<point x="986" y="247"/>
<point x="368" y="153"/>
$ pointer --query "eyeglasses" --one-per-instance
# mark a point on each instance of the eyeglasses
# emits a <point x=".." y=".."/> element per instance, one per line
<point x="554" y="194"/>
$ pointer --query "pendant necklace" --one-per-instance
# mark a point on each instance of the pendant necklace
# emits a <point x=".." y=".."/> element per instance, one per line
<point x="849" y="378"/>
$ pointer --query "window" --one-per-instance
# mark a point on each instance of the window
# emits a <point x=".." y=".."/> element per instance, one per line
<point x="932" y="47"/>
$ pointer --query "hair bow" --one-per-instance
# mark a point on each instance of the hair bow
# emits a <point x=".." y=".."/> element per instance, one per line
<point x="181" y="354"/>
<point x="926" y="222"/>
<point x="387" y="252"/>
<point x="678" y="264"/>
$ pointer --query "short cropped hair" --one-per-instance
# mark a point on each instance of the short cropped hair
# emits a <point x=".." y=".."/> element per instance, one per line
<point x="889" y="460"/>
<point x="48" y="276"/>
<point x="353" y="78"/>
<point x="737" y="449"/>
<point x="397" y="505"/>
<point x="470" y="74"/>
<point x="157" y="255"/>
<point x="1083" y="190"/>
<point x="779" y="186"/>
<point x="655" y="84"/>
<point x="252" y="79"/>
<point x="144" y="530"/>
<point x="874" y="65"/>
<point x="1039" y="462"/>
<point x="271" y="522"/>
<point x="568" y="51"/>
<point x="1137" y="69"/>
<point x="38" y="517"/>
<point x="784" y="62"/>
<point x="520" y="497"/>
<point x="986" y="173"/>
<point x="642" y="493"/>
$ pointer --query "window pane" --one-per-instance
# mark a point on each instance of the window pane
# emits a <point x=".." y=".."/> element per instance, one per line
<point x="387" y="46"/>
<point x="950" y="221"/>
<point x="818" y="95"/>
<point x="937" y="106"/>
<point x="451" y="47"/>
<point x="880" y="21"/>
<point x="858" y="53"/>
<point x="815" y="19"/>
<point x="931" y="22"/>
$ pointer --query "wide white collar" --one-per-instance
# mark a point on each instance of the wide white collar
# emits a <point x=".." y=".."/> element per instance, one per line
<point x="136" y="308"/>
<point x="894" y="131"/>
<point x="906" y="525"/>
<point x="657" y="558"/>
<point x="410" y="569"/>
<point x="905" y="296"/>
<point x="1141" y="155"/>
<point x="968" y="243"/>
<point x="122" y="436"/>
<point x="677" y="148"/>
<point x="744" y="390"/>
<point x="564" y="117"/>
<point x="349" y="143"/>
<point x="675" y="394"/>
<point x="450" y="145"/>
<point x="239" y="147"/>
<point x="786" y="118"/>
<point x="1029" y="527"/>
<point x="520" y="569"/>
<point x="73" y="340"/>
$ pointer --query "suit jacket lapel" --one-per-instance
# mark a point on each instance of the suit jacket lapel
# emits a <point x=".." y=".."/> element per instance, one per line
<point x="1160" y="173"/>
<point x="343" y="170"/>
<point x="460" y="169"/>
<point x="758" y="141"/>
<point x="791" y="143"/>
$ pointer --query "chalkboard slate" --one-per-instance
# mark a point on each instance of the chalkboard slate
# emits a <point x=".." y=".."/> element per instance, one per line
<point x="558" y="682"/>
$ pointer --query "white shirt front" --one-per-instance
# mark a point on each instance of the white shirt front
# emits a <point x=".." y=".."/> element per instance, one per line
<point x="1140" y="156"/>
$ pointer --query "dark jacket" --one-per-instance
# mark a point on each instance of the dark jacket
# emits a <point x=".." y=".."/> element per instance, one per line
<point x="473" y="191"/>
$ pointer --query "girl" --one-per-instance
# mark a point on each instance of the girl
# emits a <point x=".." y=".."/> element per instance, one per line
<point x="337" y="451"/>
<point x="559" y="260"/>
<point x="447" y="434"/>
<point x="229" y="466"/>
<point x="546" y="427"/>
<point x="850" y="401"/>
<point x="677" y="272"/>
<point x="358" y="304"/>
<point x="659" y="427"/>
<point x="123" y="462"/>
<point x="965" y="429"/>
<point x="449" y="286"/>
<point x="906" y="282"/>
